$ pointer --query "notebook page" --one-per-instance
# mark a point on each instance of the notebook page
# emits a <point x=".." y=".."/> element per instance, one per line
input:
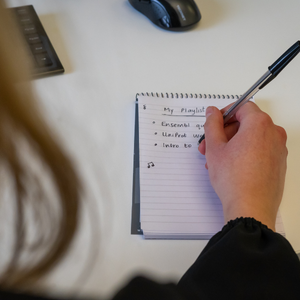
<point x="177" y="200"/>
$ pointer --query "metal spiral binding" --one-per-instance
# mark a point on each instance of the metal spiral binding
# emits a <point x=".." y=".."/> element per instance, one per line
<point x="185" y="95"/>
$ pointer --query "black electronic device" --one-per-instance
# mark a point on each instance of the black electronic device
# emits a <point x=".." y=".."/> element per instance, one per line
<point x="40" y="50"/>
<point x="175" y="15"/>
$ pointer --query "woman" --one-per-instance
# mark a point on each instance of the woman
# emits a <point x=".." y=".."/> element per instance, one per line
<point x="27" y="142"/>
<point x="246" y="163"/>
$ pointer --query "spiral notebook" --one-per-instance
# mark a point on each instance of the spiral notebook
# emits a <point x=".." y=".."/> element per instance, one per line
<point x="172" y="194"/>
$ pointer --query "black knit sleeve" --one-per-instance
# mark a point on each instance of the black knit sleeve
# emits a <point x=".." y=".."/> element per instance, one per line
<point x="246" y="260"/>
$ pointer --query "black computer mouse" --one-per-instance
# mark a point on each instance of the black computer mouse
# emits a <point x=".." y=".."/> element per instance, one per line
<point x="176" y="15"/>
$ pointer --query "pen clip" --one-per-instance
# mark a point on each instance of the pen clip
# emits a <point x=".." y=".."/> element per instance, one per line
<point x="282" y="62"/>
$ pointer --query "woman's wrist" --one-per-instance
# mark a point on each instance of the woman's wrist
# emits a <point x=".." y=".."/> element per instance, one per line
<point x="232" y="212"/>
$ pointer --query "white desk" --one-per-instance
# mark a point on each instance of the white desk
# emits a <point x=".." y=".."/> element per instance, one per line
<point x="111" y="52"/>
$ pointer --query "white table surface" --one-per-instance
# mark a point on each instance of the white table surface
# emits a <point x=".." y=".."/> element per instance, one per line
<point x="110" y="52"/>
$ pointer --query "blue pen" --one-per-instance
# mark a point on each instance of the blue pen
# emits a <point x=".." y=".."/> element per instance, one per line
<point x="272" y="72"/>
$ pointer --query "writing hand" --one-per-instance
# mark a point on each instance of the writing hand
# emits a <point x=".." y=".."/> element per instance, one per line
<point x="246" y="162"/>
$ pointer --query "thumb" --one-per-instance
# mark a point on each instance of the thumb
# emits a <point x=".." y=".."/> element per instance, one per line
<point x="214" y="128"/>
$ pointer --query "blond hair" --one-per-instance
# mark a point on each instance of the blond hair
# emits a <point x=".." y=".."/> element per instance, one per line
<point x="21" y="124"/>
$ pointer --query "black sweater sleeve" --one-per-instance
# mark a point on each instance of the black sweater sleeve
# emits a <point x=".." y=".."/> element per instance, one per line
<point x="245" y="260"/>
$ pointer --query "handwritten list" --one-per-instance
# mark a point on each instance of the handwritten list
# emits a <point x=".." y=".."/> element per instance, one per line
<point x="177" y="199"/>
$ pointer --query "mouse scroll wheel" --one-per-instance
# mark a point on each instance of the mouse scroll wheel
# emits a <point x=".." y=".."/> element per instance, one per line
<point x="145" y="1"/>
<point x="165" y="21"/>
<point x="158" y="10"/>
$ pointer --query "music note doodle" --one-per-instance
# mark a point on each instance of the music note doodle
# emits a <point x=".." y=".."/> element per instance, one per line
<point x="150" y="164"/>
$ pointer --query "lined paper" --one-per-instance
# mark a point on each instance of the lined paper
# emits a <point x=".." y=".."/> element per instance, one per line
<point x="177" y="199"/>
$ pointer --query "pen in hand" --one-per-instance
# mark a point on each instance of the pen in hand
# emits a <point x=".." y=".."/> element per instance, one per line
<point x="272" y="72"/>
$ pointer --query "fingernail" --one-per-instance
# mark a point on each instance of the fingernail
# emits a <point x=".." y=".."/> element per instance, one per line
<point x="209" y="111"/>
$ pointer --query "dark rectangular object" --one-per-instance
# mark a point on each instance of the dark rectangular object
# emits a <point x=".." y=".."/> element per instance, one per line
<point x="41" y="51"/>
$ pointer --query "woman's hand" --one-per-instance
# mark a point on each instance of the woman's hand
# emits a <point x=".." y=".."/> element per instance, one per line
<point x="246" y="162"/>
